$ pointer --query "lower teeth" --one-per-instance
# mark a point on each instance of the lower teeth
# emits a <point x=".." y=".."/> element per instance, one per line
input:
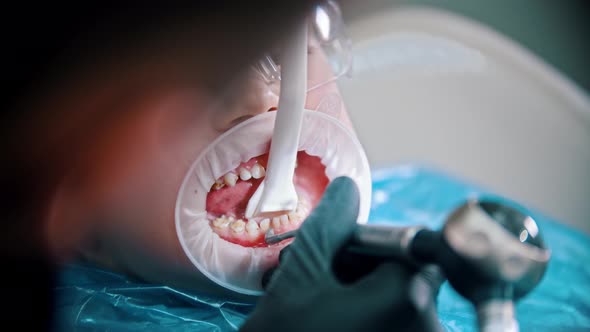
<point x="222" y="222"/>
<point x="284" y="220"/>
<point x="238" y="226"/>
<point x="231" y="228"/>
<point x="252" y="226"/>
<point x="265" y="225"/>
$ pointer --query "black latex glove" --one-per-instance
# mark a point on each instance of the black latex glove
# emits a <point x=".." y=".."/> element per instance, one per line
<point x="305" y="294"/>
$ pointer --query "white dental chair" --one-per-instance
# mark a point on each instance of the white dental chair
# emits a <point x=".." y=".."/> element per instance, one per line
<point x="437" y="89"/>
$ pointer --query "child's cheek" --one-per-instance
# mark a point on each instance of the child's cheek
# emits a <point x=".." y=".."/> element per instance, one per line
<point x="136" y="159"/>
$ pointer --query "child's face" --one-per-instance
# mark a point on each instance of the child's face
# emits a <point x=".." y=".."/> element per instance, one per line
<point x="123" y="187"/>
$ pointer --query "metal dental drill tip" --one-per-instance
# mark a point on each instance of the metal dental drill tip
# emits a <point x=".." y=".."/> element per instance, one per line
<point x="374" y="240"/>
<point x="271" y="238"/>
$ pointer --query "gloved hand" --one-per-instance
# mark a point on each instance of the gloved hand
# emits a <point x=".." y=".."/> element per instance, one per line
<point x="305" y="294"/>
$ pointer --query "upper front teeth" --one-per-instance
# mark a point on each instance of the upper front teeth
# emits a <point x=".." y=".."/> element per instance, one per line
<point x="257" y="171"/>
<point x="230" y="179"/>
<point x="245" y="174"/>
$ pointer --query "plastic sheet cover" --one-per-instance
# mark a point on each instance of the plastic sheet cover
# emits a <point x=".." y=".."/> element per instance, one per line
<point x="91" y="299"/>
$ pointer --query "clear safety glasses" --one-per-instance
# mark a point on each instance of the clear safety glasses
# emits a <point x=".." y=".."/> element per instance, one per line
<point x="328" y="46"/>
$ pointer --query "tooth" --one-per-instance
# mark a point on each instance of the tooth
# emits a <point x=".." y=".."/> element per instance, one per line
<point x="284" y="220"/>
<point x="264" y="225"/>
<point x="245" y="174"/>
<point x="294" y="217"/>
<point x="252" y="226"/>
<point x="222" y="222"/>
<point x="230" y="179"/>
<point x="257" y="171"/>
<point x="303" y="202"/>
<point x="303" y="207"/>
<point x="303" y="211"/>
<point x="238" y="226"/>
<point x="276" y="222"/>
<point x="218" y="184"/>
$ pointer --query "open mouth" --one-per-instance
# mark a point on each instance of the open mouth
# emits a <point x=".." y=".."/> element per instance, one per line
<point x="210" y="223"/>
<point x="228" y="198"/>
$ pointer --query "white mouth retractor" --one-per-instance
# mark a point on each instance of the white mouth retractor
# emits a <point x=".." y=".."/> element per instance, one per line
<point x="233" y="266"/>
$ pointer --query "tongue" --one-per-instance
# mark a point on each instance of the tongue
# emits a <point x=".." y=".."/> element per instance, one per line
<point x="310" y="182"/>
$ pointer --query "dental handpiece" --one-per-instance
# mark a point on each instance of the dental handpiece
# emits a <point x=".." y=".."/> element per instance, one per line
<point x="414" y="245"/>
<point x="374" y="244"/>
<point x="491" y="254"/>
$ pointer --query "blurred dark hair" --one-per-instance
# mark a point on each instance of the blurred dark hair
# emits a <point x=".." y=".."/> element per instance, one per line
<point x="47" y="43"/>
<point x="44" y="42"/>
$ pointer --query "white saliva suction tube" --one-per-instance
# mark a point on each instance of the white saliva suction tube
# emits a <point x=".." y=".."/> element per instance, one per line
<point x="230" y="265"/>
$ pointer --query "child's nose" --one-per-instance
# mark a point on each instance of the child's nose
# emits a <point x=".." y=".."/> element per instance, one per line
<point x="243" y="100"/>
